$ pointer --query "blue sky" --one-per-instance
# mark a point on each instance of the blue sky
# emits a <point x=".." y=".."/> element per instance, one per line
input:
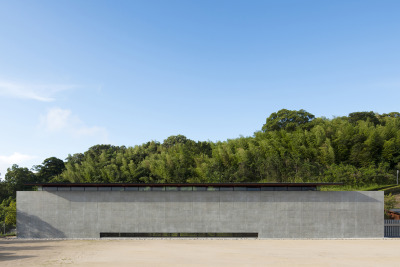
<point x="74" y="74"/>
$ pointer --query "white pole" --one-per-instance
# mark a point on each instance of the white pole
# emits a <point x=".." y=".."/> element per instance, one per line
<point x="397" y="177"/>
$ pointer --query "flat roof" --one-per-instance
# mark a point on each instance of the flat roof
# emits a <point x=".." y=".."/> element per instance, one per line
<point x="181" y="185"/>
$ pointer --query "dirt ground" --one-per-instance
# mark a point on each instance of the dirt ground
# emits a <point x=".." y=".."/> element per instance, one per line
<point x="191" y="252"/>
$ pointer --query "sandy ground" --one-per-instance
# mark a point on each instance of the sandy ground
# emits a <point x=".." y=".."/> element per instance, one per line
<point x="173" y="252"/>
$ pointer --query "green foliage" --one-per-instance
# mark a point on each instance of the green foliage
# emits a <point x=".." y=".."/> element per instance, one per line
<point x="363" y="116"/>
<point x="390" y="202"/>
<point x="288" y="120"/>
<point x="8" y="213"/>
<point x="361" y="150"/>
<point x="11" y="214"/>
<point x="175" y="140"/>
<point x="391" y="115"/>
<point x="15" y="179"/>
<point x="392" y="190"/>
<point x="50" y="168"/>
<point x="293" y="147"/>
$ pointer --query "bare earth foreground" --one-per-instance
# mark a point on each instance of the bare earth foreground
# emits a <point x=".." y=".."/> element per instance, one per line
<point x="190" y="252"/>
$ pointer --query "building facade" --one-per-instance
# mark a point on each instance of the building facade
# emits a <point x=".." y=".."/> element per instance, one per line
<point x="223" y="211"/>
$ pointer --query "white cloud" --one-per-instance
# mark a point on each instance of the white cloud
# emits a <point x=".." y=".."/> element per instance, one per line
<point x="15" y="158"/>
<point x="39" y="92"/>
<point x="62" y="120"/>
<point x="57" y="119"/>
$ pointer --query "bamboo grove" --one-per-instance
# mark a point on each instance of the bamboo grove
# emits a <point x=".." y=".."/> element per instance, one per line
<point x="292" y="146"/>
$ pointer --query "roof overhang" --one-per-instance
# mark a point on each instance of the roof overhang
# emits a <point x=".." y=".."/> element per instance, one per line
<point x="256" y="185"/>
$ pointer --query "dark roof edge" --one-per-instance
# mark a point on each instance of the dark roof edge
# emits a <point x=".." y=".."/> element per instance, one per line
<point x="181" y="185"/>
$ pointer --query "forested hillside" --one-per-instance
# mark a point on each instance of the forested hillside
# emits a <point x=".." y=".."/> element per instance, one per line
<point x="292" y="146"/>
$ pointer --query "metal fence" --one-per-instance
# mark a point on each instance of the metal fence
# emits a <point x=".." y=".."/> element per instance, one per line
<point x="392" y="228"/>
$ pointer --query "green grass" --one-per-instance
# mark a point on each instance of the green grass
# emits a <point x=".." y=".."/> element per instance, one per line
<point x="353" y="188"/>
<point x="9" y="234"/>
<point x="390" y="188"/>
<point x="393" y="190"/>
<point x="380" y="187"/>
<point x="371" y="187"/>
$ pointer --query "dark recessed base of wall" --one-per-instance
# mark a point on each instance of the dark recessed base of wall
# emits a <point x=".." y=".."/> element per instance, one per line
<point x="174" y="235"/>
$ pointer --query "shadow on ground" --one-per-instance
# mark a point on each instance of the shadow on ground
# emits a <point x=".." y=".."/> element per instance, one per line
<point x="12" y="249"/>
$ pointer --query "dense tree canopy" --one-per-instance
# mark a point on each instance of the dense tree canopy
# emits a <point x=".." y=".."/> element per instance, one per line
<point x="288" y="120"/>
<point x="15" y="179"/>
<point x="363" y="116"/>
<point x="293" y="146"/>
<point x="50" y="168"/>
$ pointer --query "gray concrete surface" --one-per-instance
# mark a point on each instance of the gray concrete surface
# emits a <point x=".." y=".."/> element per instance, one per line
<point x="271" y="214"/>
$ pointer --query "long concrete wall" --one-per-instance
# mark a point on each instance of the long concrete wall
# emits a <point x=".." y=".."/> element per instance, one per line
<point x="271" y="214"/>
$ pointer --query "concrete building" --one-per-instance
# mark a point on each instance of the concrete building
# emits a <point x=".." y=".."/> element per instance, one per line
<point x="190" y="210"/>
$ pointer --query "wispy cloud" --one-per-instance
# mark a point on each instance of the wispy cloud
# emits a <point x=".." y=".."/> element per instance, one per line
<point x="39" y="92"/>
<point x="62" y="120"/>
<point x="15" y="158"/>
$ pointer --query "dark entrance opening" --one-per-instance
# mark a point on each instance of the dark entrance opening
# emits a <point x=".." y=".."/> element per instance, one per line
<point x="180" y="235"/>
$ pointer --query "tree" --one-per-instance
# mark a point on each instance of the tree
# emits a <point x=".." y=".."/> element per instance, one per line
<point x="391" y="115"/>
<point x="16" y="177"/>
<point x="76" y="158"/>
<point x="11" y="213"/>
<point x="175" y="139"/>
<point x="50" y="168"/>
<point x="3" y="191"/>
<point x="363" y="116"/>
<point x="389" y="203"/>
<point x="288" y="120"/>
<point x="8" y="213"/>
<point x="293" y="146"/>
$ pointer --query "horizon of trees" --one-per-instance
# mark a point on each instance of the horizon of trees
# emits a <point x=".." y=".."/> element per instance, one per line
<point x="292" y="146"/>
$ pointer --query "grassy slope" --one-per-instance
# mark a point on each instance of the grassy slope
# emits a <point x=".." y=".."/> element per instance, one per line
<point x="393" y="189"/>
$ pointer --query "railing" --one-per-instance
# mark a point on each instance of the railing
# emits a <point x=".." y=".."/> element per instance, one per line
<point x="392" y="228"/>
